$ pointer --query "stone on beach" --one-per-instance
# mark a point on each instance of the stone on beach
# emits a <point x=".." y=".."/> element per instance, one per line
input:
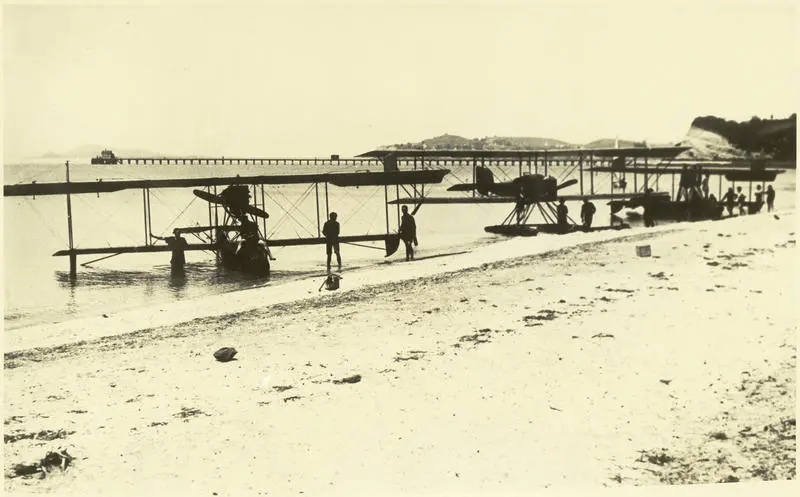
<point x="225" y="354"/>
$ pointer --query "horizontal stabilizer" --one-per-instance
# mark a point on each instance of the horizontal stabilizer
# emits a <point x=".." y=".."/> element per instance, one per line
<point x="464" y="187"/>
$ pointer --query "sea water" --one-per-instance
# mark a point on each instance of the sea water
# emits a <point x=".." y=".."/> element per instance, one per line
<point x="38" y="289"/>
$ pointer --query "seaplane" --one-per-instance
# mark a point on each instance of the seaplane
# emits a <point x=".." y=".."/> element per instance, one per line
<point x="530" y="191"/>
<point x="237" y="217"/>
<point x="693" y="200"/>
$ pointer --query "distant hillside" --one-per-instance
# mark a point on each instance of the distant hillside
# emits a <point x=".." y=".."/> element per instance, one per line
<point x="453" y="142"/>
<point x="615" y="143"/>
<point x="711" y="136"/>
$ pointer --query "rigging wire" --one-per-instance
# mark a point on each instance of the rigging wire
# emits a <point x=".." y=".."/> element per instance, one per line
<point x="283" y="218"/>
<point x="352" y="214"/>
<point x="293" y="205"/>
<point x="179" y="214"/>
<point x="44" y="222"/>
<point x="107" y="217"/>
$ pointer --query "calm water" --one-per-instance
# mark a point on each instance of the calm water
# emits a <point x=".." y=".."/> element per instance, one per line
<point x="36" y="284"/>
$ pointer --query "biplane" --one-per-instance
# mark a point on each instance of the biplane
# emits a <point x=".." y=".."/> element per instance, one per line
<point x="693" y="200"/>
<point x="530" y="191"/>
<point x="236" y="231"/>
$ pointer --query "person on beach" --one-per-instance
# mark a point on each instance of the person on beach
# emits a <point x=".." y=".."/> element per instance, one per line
<point x="730" y="200"/>
<point x="740" y="200"/>
<point x="331" y="231"/>
<point x="408" y="233"/>
<point x="759" y="199"/>
<point x="714" y="208"/>
<point x="770" y="198"/>
<point x="705" y="185"/>
<point x="587" y="213"/>
<point x="561" y="213"/>
<point x="684" y="184"/>
<point x="647" y="204"/>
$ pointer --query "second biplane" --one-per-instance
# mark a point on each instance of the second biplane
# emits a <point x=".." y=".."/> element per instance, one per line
<point x="531" y="192"/>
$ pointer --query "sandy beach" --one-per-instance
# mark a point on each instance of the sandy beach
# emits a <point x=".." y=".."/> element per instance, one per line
<point x="508" y="370"/>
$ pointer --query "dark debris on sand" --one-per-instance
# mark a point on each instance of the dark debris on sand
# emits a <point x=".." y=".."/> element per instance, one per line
<point x="58" y="459"/>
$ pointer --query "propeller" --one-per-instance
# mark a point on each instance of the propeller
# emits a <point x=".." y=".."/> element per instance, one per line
<point x="567" y="183"/>
<point x="217" y="199"/>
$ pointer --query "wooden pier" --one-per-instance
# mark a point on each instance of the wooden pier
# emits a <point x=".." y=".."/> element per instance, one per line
<point x="261" y="161"/>
<point x="366" y="162"/>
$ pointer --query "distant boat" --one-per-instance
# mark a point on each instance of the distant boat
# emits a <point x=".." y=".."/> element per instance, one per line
<point x="105" y="157"/>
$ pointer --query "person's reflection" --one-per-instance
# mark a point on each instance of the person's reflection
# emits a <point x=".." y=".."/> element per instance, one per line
<point x="177" y="282"/>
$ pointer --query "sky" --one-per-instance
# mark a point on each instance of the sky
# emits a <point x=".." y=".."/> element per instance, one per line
<point x="318" y="78"/>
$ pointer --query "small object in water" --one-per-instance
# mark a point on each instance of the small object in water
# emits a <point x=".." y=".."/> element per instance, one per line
<point x="225" y="354"/>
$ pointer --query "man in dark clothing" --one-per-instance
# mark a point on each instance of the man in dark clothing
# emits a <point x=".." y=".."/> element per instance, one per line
<point x="248" y="229"/>
<point x="408" y="233"/>
<point x="770" y="198"/>
<point x="759" y="199"/>
<point x="587" y="213"/>
<point x="331" y="232"/>
<point x="177" y="245"/>
<point x="647" y="204"/>
<point x="684" y="183"/>
<point x="561" y="213"/>
<point x="729" y="199"/>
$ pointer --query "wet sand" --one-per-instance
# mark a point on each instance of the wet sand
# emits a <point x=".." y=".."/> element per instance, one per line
<point x="580" y="368"/>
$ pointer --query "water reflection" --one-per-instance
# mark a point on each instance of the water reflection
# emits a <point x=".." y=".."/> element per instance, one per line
<point x="177" y="281"/>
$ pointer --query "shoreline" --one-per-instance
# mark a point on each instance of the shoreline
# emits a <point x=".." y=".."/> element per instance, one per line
<point x="484" y="374"/>
<point x="89" y="328"/>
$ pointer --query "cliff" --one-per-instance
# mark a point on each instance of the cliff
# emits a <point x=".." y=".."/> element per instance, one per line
<point x="713" y="137"/>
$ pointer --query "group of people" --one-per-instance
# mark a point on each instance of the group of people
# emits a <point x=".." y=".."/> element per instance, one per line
<point x="733" y="199"/>
<point x="693" y="186"/>
<point x="587" y="213"/>
<point x="331" y="230"/>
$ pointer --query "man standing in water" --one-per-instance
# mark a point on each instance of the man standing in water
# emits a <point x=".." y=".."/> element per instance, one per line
<point x="408" y="232"/>
<point x="587" y="213"/>
<point x="331" y="231"/>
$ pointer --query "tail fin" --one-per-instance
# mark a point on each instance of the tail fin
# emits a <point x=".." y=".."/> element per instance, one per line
<point x="390" y="162"/>
<point x="484" y="179"/>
